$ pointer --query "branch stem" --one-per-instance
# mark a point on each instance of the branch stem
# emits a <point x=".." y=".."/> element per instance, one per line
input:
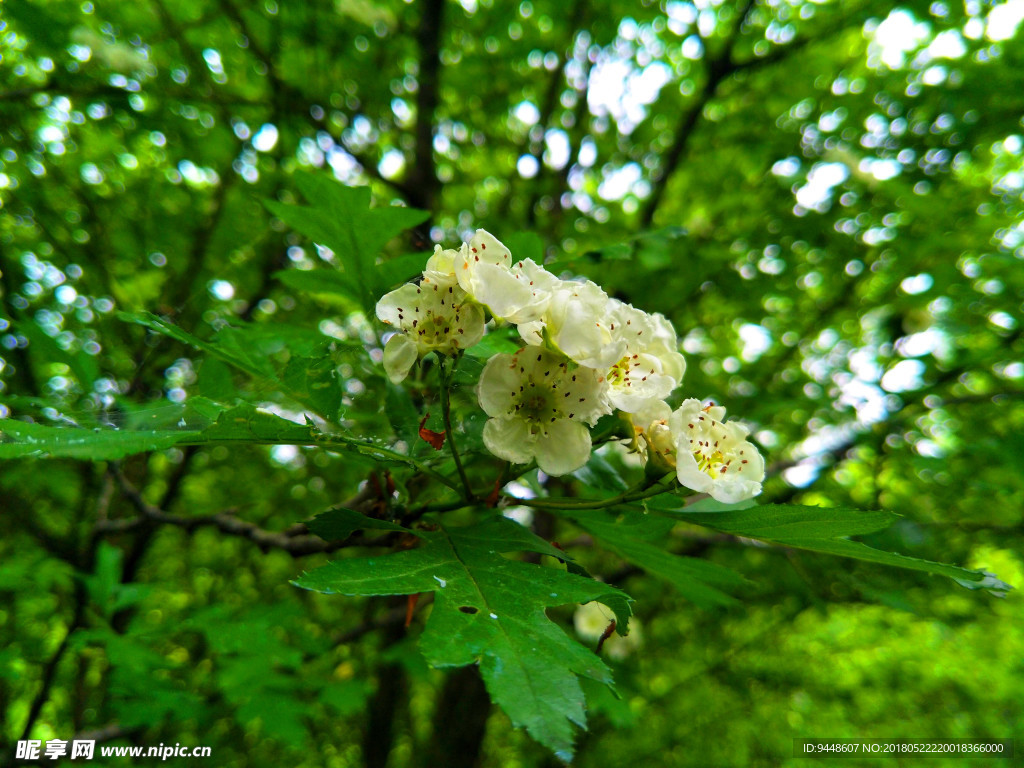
<point x="634" y="494"/>
<point x="446" y="409"/>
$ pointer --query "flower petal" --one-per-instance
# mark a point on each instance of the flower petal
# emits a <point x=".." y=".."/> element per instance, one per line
<point x="392" y="306"/>
<point x="499" y="382"/>
<point x="563" y="447"/>
<point x="689" y="473"/>
<point x="734" y="490"/>
<point x="489" y="248"/>
<point x="495" y="286"/>
<point x="509" y="439"/>
<point x="400" y="355"/>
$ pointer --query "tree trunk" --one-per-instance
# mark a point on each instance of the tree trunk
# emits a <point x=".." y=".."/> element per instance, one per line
<point x="460" y="722"/>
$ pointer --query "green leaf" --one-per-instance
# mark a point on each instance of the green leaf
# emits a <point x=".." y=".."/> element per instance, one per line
<point x="229" y="353"/>
<point x="341" y="219"/>
<point x="493" y="343"/>
<point x="215" y="380"/>
<point x="319" y="281"/>
<point x="490" y="610"/>
<point x="311" y="384"/>
<point x="314" y="380"/>
<point x="640" y="539"/>
<point x="402" y="414"/>
<point x="246" y="423"/>
<point x="525" y="245"/>
<point x="19" y="439"/>
<point x="339" y="523"/>
<point x="243" y="424"/>
<point x="346" y="697"/>
<point x="402" y="269"/>
<point x="667" y="501"/>
<point x="600" y="474"/>
<point x="824" y="530"/>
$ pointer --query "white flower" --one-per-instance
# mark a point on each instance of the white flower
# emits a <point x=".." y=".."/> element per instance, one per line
<point x="713" y="456"/>
<point x="517" y="292"/>
<point x="655" y="441"/>
<point x="539" y="408"/>
<point x="440" y="266"/>
<point x="637" y="351"/>
<point x="432" y="316"/>
<point x="650" y="366"/>
<point x="576" y="321"/>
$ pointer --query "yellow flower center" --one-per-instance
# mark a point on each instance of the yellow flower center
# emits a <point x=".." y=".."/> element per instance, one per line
<point x="707" y="463"/>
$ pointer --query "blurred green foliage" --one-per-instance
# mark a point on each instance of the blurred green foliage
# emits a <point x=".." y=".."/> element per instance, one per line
<point x="824" y="198"/>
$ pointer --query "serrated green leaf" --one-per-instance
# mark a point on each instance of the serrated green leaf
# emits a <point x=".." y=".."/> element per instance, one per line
<point x="640" y="539"/>
<point x="232" y="346"/>
<point x="600" y="474"/>
<point x="315" y="380"/>
<point x="820" y="529"/>
<point x="169" y="329"/>
<point x="319" y="281"/>
<point x="246" y="423"/>
<point x="215" y="380"/>
<point x="339" y="523"/>
<point x="341" y="219"/>
<point x="401" y="414"/>
<point x="19" y="439"/>
<point x="490" y="610"/>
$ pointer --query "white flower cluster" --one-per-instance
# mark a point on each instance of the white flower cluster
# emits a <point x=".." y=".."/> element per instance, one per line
<point x="585" y="355"/>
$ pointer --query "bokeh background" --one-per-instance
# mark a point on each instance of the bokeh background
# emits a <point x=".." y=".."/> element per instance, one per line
<point x="824" y="197"/>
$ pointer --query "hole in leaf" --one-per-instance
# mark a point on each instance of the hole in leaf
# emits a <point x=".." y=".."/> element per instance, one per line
<point x="469" y="609"/>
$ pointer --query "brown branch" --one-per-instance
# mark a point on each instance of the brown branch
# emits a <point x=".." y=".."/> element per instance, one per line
<point x="295" y="541"/>
<point x="78" y="618"/>
<point x="718" y="69"/>
<point x="422" y="182"/>
<point x="551" y="99"/>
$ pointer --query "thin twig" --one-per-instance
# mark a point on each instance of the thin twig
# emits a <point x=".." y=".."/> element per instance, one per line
<point x="295" y="541"/>
<point x="446" y="410"/>
<point x="635" y="494"/>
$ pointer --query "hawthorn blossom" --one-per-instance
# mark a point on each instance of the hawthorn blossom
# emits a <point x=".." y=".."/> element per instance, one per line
<point x="654" y="436"/>
<point x="576" y="322"/>
<point x="712" y="455"/>
<point x="440" y="267"/>
<point x="517" y="292"/>
<point x="650" y="365"/>
<point x="539" y="408"/>
<point x="638" y="352"/>
<point x="435" y="315"/>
